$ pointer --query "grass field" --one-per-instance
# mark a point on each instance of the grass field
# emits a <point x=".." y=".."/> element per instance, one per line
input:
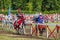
<point x="6" y="34"/>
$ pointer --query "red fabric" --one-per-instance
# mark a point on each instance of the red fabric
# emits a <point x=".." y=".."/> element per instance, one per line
<point x="58" y="27"/>
<point x="18" y="23"/>
<point x="21" y="16"/>
<point x="41" y="26"/>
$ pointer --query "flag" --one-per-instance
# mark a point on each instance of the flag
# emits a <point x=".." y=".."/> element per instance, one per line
<point x="8" y="12"/>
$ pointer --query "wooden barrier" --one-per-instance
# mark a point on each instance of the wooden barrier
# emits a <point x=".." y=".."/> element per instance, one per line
<point x="27" y="29"/>
<point x="54" y="32"/>
<point x="57" y="29"/>
<point x="48" y="29"/>
<point x="35" y="29"/>
<point x="38" y="28"/>
<point x="51" y="32"/>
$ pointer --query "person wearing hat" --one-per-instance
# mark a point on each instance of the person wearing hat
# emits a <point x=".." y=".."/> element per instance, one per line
<point x="40" y="18"/>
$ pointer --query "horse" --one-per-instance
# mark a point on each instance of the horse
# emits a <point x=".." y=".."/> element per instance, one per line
<point x="39" y="25"/>
<point x="18" y="26"/>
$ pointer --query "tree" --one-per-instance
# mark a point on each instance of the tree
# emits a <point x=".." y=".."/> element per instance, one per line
<point x="48" y="5"/>
<point x="7" y="3"/>
<point x="31" y="5"/>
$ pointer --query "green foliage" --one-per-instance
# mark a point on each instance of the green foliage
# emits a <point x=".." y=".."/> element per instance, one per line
<point x="32" y="6"/>
<point x="49" y="5"/>
<point x="6" y="12"/>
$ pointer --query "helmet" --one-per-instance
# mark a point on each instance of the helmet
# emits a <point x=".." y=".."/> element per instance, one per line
<point x="40" y="13"/>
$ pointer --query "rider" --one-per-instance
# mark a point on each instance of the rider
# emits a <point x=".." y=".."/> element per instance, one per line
<point x="40" y="21"/>
<point x="20" y="15"/>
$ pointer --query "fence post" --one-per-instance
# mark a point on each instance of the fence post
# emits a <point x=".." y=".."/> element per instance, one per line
<point x="31" y="29"/>
<point x="47" y="31"/>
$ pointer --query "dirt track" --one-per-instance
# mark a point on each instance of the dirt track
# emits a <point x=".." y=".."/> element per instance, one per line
<point x="14" y="35"/>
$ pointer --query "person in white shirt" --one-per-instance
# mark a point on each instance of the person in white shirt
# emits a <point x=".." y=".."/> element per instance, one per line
<point x="3" y="22"/>
<point x="10" y="22"/>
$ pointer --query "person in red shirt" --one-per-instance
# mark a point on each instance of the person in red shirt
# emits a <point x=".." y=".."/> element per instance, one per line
<point x="20" y="15"/>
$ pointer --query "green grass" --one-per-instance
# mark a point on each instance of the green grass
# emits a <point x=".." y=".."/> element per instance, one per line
<point x="6" y="38"/>
<point x="2" y="37"/>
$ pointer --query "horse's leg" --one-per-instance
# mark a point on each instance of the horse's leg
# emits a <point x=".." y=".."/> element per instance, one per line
<point x="40" y="31"/>
<point x="23" y="31"/>
<point x="23" y="28"/>
<point x="17" y="30"/>
<point x="3" y="24"/>
<point x="36" y="29"/>
<point x="20" y="29"/>
<point x="8" y="25"/>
